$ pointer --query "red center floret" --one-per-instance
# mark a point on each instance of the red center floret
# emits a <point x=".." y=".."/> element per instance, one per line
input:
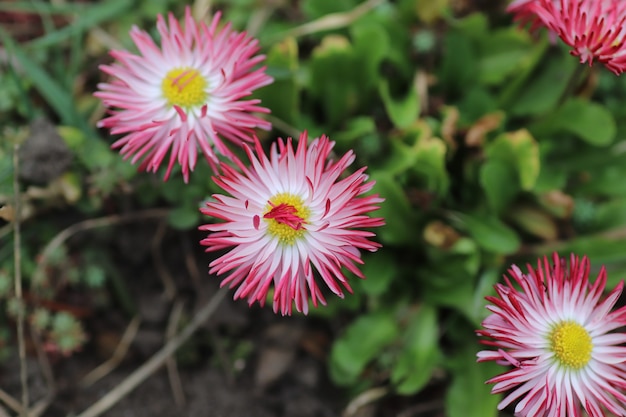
<point x="285" y="214"/>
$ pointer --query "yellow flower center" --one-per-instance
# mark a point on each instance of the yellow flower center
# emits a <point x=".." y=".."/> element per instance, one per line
<point x="571" y="344"/>
<point x="286" y="216"/>
<point x="184" y="87"/>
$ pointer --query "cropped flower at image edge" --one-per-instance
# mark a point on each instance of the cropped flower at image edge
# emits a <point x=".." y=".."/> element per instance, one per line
<point x="288" y="216"/>
<point x="594" y="29"/>
<point x="553" y="328"/>
<point x="185" y="96"/>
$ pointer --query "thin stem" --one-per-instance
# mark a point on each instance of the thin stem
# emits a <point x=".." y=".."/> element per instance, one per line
<point x="156" y="361"/>
<point x="59" y="239"/>
<point x="17" y="260"/>
<point x="330" y="21"/>
<point x="580" y="73"/>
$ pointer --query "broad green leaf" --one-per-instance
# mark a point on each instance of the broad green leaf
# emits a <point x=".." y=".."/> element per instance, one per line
<point x="333" y="78"/>
<point x="451" y="281"/>
<point x="534" y="221"/>
<point x="371" y="47"/>
<point x="500" y="182"/>
<point x="355" y="129"/>
<point x="430" y="161"/>
<point x="501" y="54"/>
<point x="459" y="67"/>
<point x="544" y="89"/>
<point x="469" y="396"/>
<point x="475" y="25"/>
<point x="610" y="214"/>
<point x="361" y="343"/>
<point x="476" y="102"/>
<point x="600" y="249"/>
<point x="403" y="111"/>
<point x="476" y="311"/>
<point x="282" y="96"/>
<point x="379" y="270"/>
<point x="420" y="354"/>
<point x="606" y="181"/>
<point x="184" y="217"/>
<point x="589" y="121"/>
<point x="489" y="232"/>
<point x="520" y="150"/>
<point x="403" y="153"/>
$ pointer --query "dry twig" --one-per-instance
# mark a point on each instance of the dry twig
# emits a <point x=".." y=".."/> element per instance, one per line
<point x="65" y="234"/>
<point x="172" y="368"/>
<point x="46" y="370"/>
<point x="11" y="402"/>
<point x="162" y="271"/>
<point x="334" y="20"/>
<point x="118" y="355"/>
<point x="192" y="266"/>
<point x="156" y="361"/>
<point x="18" y="281"/>
<point x="367" y="397"/>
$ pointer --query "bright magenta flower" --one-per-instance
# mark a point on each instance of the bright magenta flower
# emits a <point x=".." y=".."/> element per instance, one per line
<point x="595" y="29"/>
<point x="185" y="96"/>
<point x="552" y="327"/>
<point x="287" y="216"/>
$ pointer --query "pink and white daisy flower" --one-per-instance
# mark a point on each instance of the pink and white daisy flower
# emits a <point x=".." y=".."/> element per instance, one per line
<point x="287" y="216"/>
<point x="184" y="96"/>
<point x="594" y="29"/>
<point x="553" y="328"/>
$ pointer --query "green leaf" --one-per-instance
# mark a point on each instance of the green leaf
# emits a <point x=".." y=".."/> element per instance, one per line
<point x="501" y="54"/>
<point x="500" y="182"/>
<point x="371" y="46"/>
<point x="56" y="95"/>
<point x="489" y="232"/>
<point x="282" y="96"/>
<point x="610" y="214"/>
<point x="396" y="210"/>
<point x="379" y="270"/>
<point x="404" y="111"/>
<point x="184" y="217"/>
<point x="589" y="121"/>
<point x="459" y="67"/>
<point x="469" y="396"/>
<point x="534" y="221"/>
<point x="334" y="78"/>
<point x="430" y="161"/>
<point x="361" y="343"/>
<point x="544" y="90"/>
<point x="520" y="150"/>
<point x="355" y="129"/>
<point x="476" y="311"/>
<point x="89" y="18"/>
<point x="420" y="354"/>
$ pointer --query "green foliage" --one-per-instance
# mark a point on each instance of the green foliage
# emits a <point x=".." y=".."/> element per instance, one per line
<point x="363" y="341"/>
<point x="490" y="147"/>
<point x="420" y="352"/>
<point x="589" y="121"/>
<point x="468" y="395"/>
